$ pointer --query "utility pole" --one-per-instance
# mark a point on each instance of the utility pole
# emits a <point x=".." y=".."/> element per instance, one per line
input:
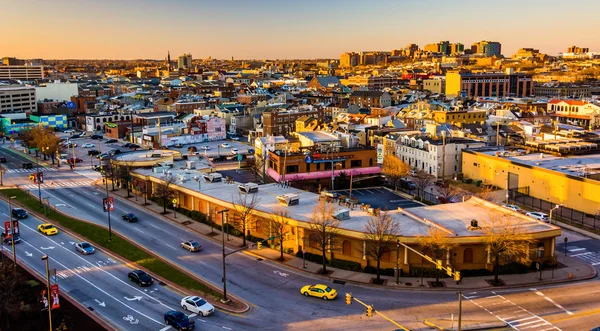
<point x="38" y="181"/>
<point x="45" y="258"/>
<point x="223" y="213"/>
<point x="12" y="234"/>
<point x="351" y="178"/>
<point x="108" y="208"/>
<point x="397" y="259"/>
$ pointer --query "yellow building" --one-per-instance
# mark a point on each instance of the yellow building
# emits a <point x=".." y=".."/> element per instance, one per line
<point x="459" y="118"/>
<point x="558" y="180"/>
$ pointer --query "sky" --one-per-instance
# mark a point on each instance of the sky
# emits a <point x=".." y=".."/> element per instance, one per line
<point x="292" y="29"/>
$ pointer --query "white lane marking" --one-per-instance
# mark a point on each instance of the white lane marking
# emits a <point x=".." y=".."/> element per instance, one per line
<point x="165" y="328"/>
<point x="106" y="272"/>
<point x="98" y="288"/>
<point x="576" y="249"/>
<point x="138" y="230"/>
<point x="552" y="301"/>
<point x="226" y="328"/>
<point x="371" y="192"/>
<point x="586" y="253"/>
<point x="171" y="247"/>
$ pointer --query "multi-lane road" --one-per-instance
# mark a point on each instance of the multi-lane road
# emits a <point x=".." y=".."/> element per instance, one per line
<point x="271" y="289"/>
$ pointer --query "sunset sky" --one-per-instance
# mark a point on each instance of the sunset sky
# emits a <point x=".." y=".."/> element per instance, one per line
<point x="259" y="29"/>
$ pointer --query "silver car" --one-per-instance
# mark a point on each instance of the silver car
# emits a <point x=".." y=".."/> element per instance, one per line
<point x="539" y="216"/>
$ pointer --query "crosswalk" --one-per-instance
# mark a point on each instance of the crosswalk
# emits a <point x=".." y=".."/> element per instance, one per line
<point x="515" y="316"/>
<point x="50" y="185"/>
<point x="14" y="171"/>
<point x="592" y="258"/>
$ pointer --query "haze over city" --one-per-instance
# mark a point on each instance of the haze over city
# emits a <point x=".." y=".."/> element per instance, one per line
<point x="83" y="29"/>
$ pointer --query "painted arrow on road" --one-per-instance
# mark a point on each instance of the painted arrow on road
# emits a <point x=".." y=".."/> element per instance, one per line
<point x="282" y="274"/>
<point x="46" y="248"/>
<point x="28" y="254"/>
<point x="101" y="303"/>
<point x="138" y="298"/>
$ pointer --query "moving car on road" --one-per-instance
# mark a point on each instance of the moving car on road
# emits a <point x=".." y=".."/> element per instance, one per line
<point x="178" y="320"/>
<point x="111" y="141"/>
<point x="96" y="137"/>
<point x="234" y="151"/>
<point x="129" y="217"/>
<point x="140" y="277"/>
<point x="88" y="145"/>
<point x="2" y="160"/>
<point x="205" y="147"/>
<point x="320" y="291"/>
<point x="539" y="216"/>
<point x="84" y="248"/>
<point x="8" y="238"/>
<point x="93" y="152"/>
<point x="47" y="229"/>
<point x="178" y="145"/>
<point x="19" y="213"/>
<point x="74" y="160"/>
<point x="225" y="145"/>
<point x="191" y="245"/>
<point x="197" y="305"/>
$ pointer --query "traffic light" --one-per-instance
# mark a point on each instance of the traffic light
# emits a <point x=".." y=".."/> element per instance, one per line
<point x="438" y="264"/>
<point x="259" y="245"/>
<point x="369" y="311"/>
<point x="348" y="298"/>
<point x="457" y="276"/>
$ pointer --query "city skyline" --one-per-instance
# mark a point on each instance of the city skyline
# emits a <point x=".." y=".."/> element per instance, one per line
<point x="266" y="29"/>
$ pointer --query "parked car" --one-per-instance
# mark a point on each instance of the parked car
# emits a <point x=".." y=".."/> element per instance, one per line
<point x="126" y="145"/>
<point x="77" y="135"/>
<point x="191" y="245"/>
<point x="178" y="320"/>
<point x="88" y="145"/>
<point x="234" y="151"/>
<point x="140" y="277"/>
<point x="111" y="141"/>
<point x="225" y="145"/>
<point x="512" y="207"/>
<point x="71" y="144"/>
<point x="69" y="131"/>
<point x="114" y="152"/>
<point x="235" y="138"/>
<point x="320" y="291"/>
<point x="135" y="146"/>
<point x="539" y="216"/>
<point x="74" y="160"/>
<point x="19" y="213"/>
<point x="197" y="305"/>
<point x="103" y="156"/>
<point x="178" y="145"/>
<point x="98" y="168"/>
<point x="406" y="183"/>
<point x="84" y="248"/>
<point x="93" y="152"/>
<point x="192" y="149"/>
<point x="219" y="158"/>
<point x="47" y="229"/>
<point x="129" y="217"/>
<point x="96" y="137"/>
<point x="205" y="147"/>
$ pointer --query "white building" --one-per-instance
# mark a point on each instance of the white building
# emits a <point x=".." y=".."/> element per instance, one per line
<point x="56" y="91"/>
<point x="428" y="154"/>
<point x="576" y="112"/>
<point x="15" y="101"/>
<point x="17" y="72"/>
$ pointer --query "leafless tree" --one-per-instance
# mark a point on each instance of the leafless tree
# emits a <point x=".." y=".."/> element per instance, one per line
<point x="324" y="227"/>
<point x="244" y="206"/>
<point x="423" y="180"/>
<point x="381" y="231"/>
<point x="437" y="243"/>
<point x="164" y="192"/>
<point x="505" y="237"/>
<point x="447" y="192"/>
<point x="278" y="227"/>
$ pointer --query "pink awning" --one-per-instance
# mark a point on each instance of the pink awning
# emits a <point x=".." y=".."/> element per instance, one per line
<point x="324" y="174"/>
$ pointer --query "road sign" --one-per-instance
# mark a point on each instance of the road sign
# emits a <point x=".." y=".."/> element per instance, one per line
<point x="239" y="157"/>
<point x="108" y="204"/>
<point x="308" y="158"/>
<point x="54" y="296"/>
<point x="71" y="104"/>
<point x="174" y="201"/>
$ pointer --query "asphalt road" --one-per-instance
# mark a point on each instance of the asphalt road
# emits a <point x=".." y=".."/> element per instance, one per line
<point x="273" y="290"/>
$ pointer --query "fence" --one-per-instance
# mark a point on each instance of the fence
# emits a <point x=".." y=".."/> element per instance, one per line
<point x="521" y="196"/>
<point x="422" y="194"/>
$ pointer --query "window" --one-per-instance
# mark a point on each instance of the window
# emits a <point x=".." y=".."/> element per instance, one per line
<point x="539" y="251"/>
<point x="355" y="163"/>
<point x="313" y="240"/>
<point x="468" y="255"/>
<point x="291" y="169"/>
<point x="346" y="248"/>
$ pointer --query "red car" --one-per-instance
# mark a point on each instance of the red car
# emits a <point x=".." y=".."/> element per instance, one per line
<point x="74" y="160"/>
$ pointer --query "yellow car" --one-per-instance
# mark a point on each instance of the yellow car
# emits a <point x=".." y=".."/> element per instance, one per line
<point x="320" y="291"/>
<point x="31" y="177"/>
<point x="47" y="229"/>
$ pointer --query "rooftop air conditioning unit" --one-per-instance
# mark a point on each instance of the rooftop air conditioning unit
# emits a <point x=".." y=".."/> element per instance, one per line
<point x="289" y="199"/>
<point x="190" y="164"/>
<point x="248" y="188"/>
<point x="213" y="177"/>
<point x="342" y="214"/>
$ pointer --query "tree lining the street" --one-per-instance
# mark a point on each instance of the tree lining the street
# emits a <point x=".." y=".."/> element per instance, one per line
<point x="422" y="180"/>
<point x="164" y="193"/>
<point x="278" y="227"/>
<point x="381" y="232"/>
<point x="244" y="206"/>
<point x="324" y="229"/>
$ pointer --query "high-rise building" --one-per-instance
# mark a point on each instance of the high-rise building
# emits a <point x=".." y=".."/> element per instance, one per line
<point x="21" y="72"/>
<point x="349" y="59"/>
<point x="456" y="48"/>
<point x="185" y="61"/>
<point x="17" y="100"/>
<point x="487" y="48"/>
<point x="578" y="50"/>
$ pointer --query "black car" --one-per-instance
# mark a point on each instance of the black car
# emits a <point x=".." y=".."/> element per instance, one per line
<point x="140" y="277"/>
<point x="178" y="320"/>
<point x="27" y="165"/>
<point x="127" y="145"/>
<point x="114" y="152"/>
<point x="76" y="136"/>
<point x="129" y="218"/>
<point x="134" y="146"/>
<point x="93" y="152"/>
<point x="96" y="137"/>
<point x="219" y="158"/>
<point x="7" y="239"/>
<point x="112" y="141"/>
<point x="19" y="213"/>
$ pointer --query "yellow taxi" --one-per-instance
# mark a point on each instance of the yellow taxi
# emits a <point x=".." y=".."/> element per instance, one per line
<point x="31" y="177"/>
<point x="320" y="291"/>
<point x="47" y="229"/>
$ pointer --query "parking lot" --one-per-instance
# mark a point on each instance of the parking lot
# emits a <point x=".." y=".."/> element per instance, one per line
<point x="379" y="197"/>
<point x="216" y="148"/>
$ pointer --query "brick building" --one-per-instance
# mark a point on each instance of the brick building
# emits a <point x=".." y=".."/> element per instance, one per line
<point x="368" y="99"/>
<point x="283" y="122"/>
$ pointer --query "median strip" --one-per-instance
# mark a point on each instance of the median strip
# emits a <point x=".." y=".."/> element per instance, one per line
<point x="118" y="245"/>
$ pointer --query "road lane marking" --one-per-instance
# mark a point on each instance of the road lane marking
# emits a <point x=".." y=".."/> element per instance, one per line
<point x="552" y="301"/>
<point x="96" y="287"/>
<point x="586" y="253"/>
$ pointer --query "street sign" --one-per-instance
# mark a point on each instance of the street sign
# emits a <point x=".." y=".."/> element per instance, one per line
<point x="71" y="104"/>
<point x="54" y="296"/>
<point x="174" y="201"/>
<point x="308" y="158"/>
<point x="239" y="157"/>
<point x="108" y="204"/>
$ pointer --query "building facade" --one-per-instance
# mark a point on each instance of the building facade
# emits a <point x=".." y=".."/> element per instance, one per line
<point x="368" y="99"/>
<point x="17" y="99"/>
<point x="576" y="112"/>
<point x="21" y="72"/>
<point x="498" y="84"/>
<point x="283" y="122"/>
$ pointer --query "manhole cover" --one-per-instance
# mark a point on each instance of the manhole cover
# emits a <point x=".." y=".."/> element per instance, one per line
<point x="336" y="281"/>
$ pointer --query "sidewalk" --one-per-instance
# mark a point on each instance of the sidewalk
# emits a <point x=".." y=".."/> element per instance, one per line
<point x="574" y="269"/>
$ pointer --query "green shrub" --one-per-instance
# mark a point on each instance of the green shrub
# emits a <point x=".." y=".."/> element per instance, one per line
<point x="345" y="265"/>
<point x="389" y="272"/>
<point x="475" y="272"/>
<point x="370" y="270"/>
<point x="316" y="258"/>
<point x="427" y="272"/>
<point x="513" y="268"/>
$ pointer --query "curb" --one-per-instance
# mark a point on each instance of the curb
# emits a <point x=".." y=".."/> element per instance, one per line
<point x="364" y="284"/>
<point x="106" y="324"/>
<point x="125" y="261"/>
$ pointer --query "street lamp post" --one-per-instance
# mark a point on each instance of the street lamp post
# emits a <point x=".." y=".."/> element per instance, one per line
<point x="224" y="216"/>
<point x="303" y="253"/>
<point x="397" y="261"/>
<point x="107" y="207"/>
<point x="12" y="233"/>
<point x="551" y="210"/>
<point x="45" y="258"/>
<point x="38" y="181"/>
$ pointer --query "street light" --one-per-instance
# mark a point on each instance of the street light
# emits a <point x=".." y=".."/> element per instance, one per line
<point x="397" y="263"/>
<point x="12" y="233"/>
<point x="105" y="180"/>
<point x="45" y="258"/>
<point x="551" y="210"/>
<point x="224" y="216"/>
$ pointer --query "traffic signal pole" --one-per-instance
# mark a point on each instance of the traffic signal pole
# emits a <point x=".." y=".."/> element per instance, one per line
<point x="370" y="311"/>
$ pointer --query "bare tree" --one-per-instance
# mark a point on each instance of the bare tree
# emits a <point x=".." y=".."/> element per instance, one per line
<point x="244" y="206"/>
<point x="394" y="168"/>
<point x="381" y="231"/>
<point x="423" y="180"/>
<point x="278" y="227"/>
<point x="437" y="243"/>
<point x="503" y="237"/>
<point x="324" y="227"/>
<point x="164" y="192"/>
<point x="447" y="192"/>
<point x="256" y="166"/>
<point x="486" y="193"/>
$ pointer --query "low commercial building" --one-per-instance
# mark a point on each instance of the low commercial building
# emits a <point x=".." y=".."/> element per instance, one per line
<point x="21" y="72"/>
<point x="368" y="99"/>
<point x="576" y="112"/>
<point x="17" y="100"/>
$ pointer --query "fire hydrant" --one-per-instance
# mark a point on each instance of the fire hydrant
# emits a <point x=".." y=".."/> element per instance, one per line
<point x="570" y="275"/>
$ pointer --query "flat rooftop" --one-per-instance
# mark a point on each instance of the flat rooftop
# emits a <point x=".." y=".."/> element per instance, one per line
<point x="455" y="217"/>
